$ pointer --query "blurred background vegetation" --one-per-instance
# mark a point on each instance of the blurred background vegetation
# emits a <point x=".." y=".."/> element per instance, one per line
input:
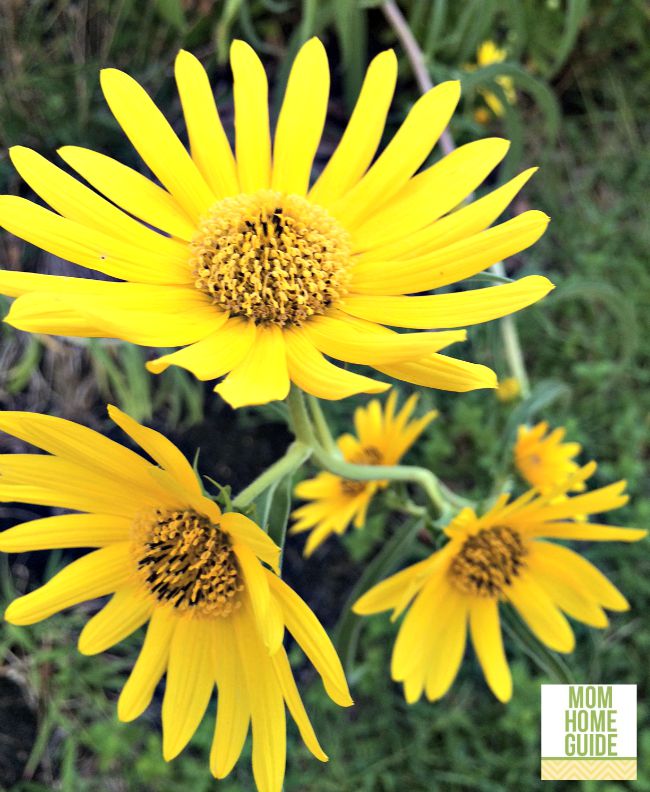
<point x="581" y="72"/>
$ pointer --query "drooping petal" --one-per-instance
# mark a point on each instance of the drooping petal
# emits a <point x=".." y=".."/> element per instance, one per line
<point x="488" y="645"/>
<point x="233" y="708"/>
<point x="208" y="142"/>
<point x="131" y="190"/>
<point x="443" y="373"/>
<point x="95" y="575"/>
<point x="450" y="310"/>
<point x="149" y="667"/>
<point x="190" y="682"/>
<point x="540" y="614"/>
<point x="355" y="342"/>
<point x="127" y="610"/>
<point x="313" y="640"/>
<point x="253" y="136"/>
<point x="245" y="531"/>
<point x="214" y="355"/>
<point x="66" y="530"/>
<point x="262" y="376"/>
<point x="390" y="593"/>
<point x="312" y="373"/>
<point x="449" y="634"/>
<point x="586" y="532"/>
<point x="301" y="120"/>
<point x="156" y="142"/>
<point x="363" y="133"/>
<point x="256" y="586"/>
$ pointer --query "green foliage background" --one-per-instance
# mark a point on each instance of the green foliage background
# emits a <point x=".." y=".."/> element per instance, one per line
<point x="582" y="72"/>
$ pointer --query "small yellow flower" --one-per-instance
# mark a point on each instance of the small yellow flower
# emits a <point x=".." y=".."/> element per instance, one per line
<point x="259" y="272"/>
<point x="508" y="389"/>
<point x="499" y="557"/>
<point x="544" y="461"/>
<point x="383" y="437"/>
<point x="487" y="54"/>
<point x="169" y="557"/>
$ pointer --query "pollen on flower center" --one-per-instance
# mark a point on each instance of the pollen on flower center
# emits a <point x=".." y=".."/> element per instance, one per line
<point x="368" y="455"/>
<point x="270" y="257"/>
<point x="488" y="562"/>
<point x="187" y="562"/>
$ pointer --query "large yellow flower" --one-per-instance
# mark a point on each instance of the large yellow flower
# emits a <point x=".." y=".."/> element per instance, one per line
<point x="256" y="272"/>
<point x="383" y="438"/>
<point x="499" y="557"/>
<point x="216" y="615"/>
<point x="543" y="460"/>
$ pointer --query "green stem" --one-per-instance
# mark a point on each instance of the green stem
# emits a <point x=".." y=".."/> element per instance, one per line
<point x="297" y="453"/>
<point x="302" y="427"/>
<point x="321" y="427"/>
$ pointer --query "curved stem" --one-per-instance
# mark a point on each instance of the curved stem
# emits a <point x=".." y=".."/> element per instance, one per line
<point x="297" y="453"/>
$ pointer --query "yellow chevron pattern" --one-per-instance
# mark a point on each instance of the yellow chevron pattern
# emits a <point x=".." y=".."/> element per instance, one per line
<point x="589" y="769"/>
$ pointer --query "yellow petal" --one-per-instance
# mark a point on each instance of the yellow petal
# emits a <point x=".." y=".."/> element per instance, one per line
<point x="313" y="640"/>
<point x="587" y="532"/>
<point x="208" y="142"/>
<point x="449" y="636"/>
<point x="540" y="614"/>
<point x="233" y="709"/>
<point x="402" y="156"/>
<point x="190" y="682"/>
<point x="390" y="592"/>
<point x="159" y="448"/>
<point x="131" y="190"/>
<point x="156" y="142"/>
<point x="66" y="530"/>
<point x="450" y="310"/>
<point x="301" y="120"/>
<point x="461" y="224"/>
<point x="450" y="264"/>
<point x="96" y="574"/>
<point x="294" y="702"/>
<point x="127" y="610"/>
<point x="599" y="500"/>
<point x="149" y="667"/>
<point x="245" y="531"/>
<point x="252" y="134"/>
<point x="89" y="247"/>
<point x="256" y="588"/>
<point x="565" y="590"/>
<point x="592" y="580"/>
<point x="214" y="355"/>
<point x="314" y="374"/>
<point x="358" y="145"/>
<point x="67" y="196"/>
<point x="488" y="645"/>
<point x="432" y="193"/>
<point x="356" y="342"/>
<point x="442" y="372"/>
<point x="76" y="443"/>
<point x="262" y="376"/>
<point x="266" y="704"/>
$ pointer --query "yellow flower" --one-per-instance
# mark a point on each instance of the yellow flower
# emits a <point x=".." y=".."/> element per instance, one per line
<point x="499" y="557"/>
<point x="544" y="461"/>
<point x="487" y="54"/>
<point x="508" y="389"/>
<point x="254" y="270"/>
<point x="170" y="558"/>
<point x="383" y="438"/>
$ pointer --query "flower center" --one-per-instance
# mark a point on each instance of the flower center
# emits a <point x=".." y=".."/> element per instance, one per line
<point x="369" y="455"/>
<point x="187" y="562"/>
<point x="488" y="562"/>
<point x="270" y="257"/>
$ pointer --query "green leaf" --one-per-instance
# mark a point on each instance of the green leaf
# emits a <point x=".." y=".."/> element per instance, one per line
<point x="346" y="634"/>
<point x="352" y="30"/>
<point x="279" y="511"/>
